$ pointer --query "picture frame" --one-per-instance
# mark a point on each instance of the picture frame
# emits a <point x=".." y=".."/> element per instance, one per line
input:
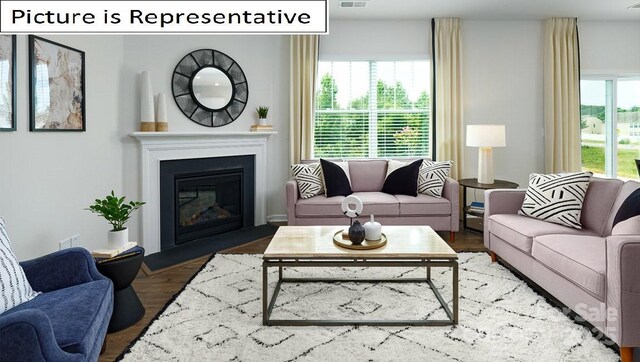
<point x="56" y="87"/>
<point x="7" y="83"/>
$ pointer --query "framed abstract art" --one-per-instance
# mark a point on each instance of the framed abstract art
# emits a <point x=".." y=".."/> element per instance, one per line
<point x="56" y="86"/>
<point x="7" y="82"/>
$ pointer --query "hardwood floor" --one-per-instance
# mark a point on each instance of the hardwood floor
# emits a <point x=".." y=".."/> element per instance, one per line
<point x="159" y="288"/>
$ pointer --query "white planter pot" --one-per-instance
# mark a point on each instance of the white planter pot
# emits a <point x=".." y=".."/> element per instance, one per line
<point x="262" y="121"/>
<point x="117" y="239"/>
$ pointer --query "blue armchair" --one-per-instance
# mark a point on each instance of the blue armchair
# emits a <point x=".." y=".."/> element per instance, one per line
<point x="68" y="321"/>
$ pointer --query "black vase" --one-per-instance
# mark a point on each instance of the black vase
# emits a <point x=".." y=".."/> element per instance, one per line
<point x="356" y="233"/>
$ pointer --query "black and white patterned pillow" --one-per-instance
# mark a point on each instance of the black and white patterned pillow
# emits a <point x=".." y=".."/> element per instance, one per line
<point x="309" y="179"/>
<point x="556" y="198"/>
<point x="14" y="286"/>
<point x="431" y="177"/>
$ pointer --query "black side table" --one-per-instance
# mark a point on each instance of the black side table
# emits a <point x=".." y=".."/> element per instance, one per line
<point x="474" y="184"/>
<point x="127" y="308"/>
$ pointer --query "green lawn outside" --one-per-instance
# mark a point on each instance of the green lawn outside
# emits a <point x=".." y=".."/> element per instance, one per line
<point x="593" y="160"/>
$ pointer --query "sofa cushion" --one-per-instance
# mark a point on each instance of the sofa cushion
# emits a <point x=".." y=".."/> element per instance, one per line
<point x="423" y="205"/>
<point x="519" y="230"/>
<point x="402" y="178"/>
<point x="556" y="198"/>
<point x="378" y="203"/>
<point x="335" y="176"/>
<point x="76" y="328"/>
<point x="598" y="203"/>
<point x="627" y="189"/>
<point x="431" y="177"/>
<point x="320" y="206"/>
<point x="630" y="226"/>
<point x="15" y="289"/>
<point x="367" y="175"/>
<point x="579" y="258"/>
<point x="629" y="208"/>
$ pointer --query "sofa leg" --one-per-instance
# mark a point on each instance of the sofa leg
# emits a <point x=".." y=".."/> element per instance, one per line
<point x="626" y="354"/>
<point x="494" y="256"/>
<point x="452" y="236"/>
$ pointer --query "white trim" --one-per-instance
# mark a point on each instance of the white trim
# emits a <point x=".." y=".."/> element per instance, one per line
<point x="277" y="218"/>
<point x="160" y="146"/>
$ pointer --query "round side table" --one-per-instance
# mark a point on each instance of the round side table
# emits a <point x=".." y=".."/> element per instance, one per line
<point x="127" y="308"/>
<point x="474" y="184"/>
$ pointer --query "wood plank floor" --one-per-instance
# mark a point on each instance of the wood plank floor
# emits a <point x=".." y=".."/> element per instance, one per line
<point x="157" y="289"/>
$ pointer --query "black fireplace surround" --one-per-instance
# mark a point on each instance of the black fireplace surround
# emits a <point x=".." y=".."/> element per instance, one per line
<point x="204" y="197"/>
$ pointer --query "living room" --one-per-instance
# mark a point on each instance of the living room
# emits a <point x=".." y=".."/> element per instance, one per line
<point x="500" y="49"/>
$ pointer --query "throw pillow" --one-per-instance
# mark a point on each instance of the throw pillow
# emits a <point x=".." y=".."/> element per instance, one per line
<point x="556" y="198"/>
<point x="309" y="179"/>
<point x="431" y="177"/>
<point x="402" y="178"/>
<point x="629" y="208"/>
<point x="14" y="286"/>
<point x="336" y="178"/>
<point x="630" y="226"/>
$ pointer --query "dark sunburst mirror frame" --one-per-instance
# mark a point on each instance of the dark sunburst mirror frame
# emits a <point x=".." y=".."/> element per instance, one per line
<point x="184" y="96"/>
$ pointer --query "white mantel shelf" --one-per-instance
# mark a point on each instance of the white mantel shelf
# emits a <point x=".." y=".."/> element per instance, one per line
<point x="178" y="135"/>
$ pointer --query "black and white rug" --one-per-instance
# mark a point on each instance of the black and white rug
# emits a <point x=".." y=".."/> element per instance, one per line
<point x="218" y="317"/>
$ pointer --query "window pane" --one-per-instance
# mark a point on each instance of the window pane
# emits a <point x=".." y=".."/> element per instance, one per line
<point x="593" y="117"/>
<point x="628" y="103"/>
<point x="372" y="109"/>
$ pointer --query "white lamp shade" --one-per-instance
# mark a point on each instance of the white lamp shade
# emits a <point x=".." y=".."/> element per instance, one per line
<point x="486" y="135"/>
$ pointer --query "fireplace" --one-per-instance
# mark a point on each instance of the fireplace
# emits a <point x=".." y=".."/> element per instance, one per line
<point x="202" y="198"/>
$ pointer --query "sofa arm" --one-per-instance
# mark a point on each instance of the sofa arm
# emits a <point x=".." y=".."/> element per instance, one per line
<point x="500" y="201"/>
<point x="623" y="289"/>
<point x="451" y="192"/>
<point x="27" y="335"/>
<point x="61" y="269"/>
<point x="291" y="192"/>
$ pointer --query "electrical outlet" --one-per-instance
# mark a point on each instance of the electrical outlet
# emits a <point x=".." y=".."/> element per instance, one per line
<point x="64" y="244"/>
<point x="74" y="240"/>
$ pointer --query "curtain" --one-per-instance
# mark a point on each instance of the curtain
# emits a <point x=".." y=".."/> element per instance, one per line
<point x="561" y="96"/>
<point x="447" y="97"/>
<point x="304" y="65"/>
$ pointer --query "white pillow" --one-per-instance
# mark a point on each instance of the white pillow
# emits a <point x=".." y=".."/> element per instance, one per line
<point x="556" y="198"/>
<point x="432" y="176"/>
<point x="309" y="179"/>
<point x="14" y="286"/>
<point x="630" y="226"/>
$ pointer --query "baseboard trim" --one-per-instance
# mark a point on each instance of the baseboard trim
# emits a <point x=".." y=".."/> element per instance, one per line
<point x="277" y="218"/>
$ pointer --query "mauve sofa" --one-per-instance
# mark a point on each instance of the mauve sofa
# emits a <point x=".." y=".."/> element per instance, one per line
<point x="68" y="322"/>
<point x="593" y="273"/>
<point x="367" y="179"/>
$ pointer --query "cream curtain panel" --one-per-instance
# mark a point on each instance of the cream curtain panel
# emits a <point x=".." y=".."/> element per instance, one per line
<point x="304" y="65"/>
<point x="561" y="96"/>
<point x="447" y="104"/>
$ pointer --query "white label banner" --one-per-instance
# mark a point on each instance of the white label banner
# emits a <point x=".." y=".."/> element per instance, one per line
<point x="162" y="16"/>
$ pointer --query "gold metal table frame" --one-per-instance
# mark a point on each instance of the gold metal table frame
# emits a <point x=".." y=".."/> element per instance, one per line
<point x="428" y="263"/>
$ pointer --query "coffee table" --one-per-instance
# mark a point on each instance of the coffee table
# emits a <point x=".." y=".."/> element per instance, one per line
<point x="312" y="246"/>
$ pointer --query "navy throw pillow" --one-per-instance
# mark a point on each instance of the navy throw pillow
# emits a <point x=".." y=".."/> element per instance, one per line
<point x="402" y="180"/>
<point x="629" y="208"/>
<point x="336" y="179"/>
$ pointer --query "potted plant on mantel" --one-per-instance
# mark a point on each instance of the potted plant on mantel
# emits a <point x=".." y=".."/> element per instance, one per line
<point x="262" y="111"/>
<point x="117" y="213"/>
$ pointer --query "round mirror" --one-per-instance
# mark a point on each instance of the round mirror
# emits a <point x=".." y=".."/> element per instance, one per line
<point x="212" y="88"/>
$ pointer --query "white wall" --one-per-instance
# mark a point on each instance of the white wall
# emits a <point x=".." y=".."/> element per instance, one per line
<point x="265" y="62"/>
<point x="48" y="178"/>
<point x="609" y="47"/>
<point x="502" y="83"/>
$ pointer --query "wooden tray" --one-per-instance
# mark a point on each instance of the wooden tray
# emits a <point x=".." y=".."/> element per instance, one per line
<point x="366" y="244"/>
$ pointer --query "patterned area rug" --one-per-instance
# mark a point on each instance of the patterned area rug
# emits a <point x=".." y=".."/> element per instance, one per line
<point x="219" y="317"/>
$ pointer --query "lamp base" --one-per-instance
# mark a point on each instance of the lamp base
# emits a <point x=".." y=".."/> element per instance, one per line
<point x="485" y="165"/>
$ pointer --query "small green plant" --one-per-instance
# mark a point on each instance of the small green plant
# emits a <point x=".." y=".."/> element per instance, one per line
<point x="115" y="210"/>
<point x="624" y="141"/>
<point x="262" y="112"/>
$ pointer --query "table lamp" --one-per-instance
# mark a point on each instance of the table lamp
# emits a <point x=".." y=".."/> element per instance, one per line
<point x="486" y="136"/>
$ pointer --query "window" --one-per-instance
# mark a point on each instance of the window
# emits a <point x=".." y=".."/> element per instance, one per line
<point x="610" y="139"/>
<point x="372" y="109"/>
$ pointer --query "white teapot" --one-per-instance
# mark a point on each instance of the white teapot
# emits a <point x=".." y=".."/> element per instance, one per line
<point x="372" y="230"/>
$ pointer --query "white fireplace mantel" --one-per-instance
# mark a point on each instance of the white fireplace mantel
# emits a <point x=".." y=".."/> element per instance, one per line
<point x="160" y="146"/>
